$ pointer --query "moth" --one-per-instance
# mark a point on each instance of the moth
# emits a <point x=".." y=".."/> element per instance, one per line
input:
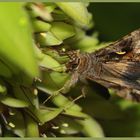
<point x="116" y="66"/>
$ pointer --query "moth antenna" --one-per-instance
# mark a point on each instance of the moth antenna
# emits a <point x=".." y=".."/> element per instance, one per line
<point x="46" y="100"/>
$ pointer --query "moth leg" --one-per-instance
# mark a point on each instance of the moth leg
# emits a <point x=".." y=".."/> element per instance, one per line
<point x="70" y="83"/>
<point x="129" y="94"/>
<point x="136" y="95"/>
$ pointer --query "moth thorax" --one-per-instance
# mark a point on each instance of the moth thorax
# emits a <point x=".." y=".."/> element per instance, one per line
<point x="84" y="63"/>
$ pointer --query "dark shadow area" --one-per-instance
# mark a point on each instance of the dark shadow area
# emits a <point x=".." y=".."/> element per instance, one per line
<point x="114" y="20"/>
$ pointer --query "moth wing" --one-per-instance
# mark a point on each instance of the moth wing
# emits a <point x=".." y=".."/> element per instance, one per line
<point x="120" y="62"/>
<point x="125" y="74"/>
<point x="122" y="76"/>
<point x="121" y="70"/>
<point x="127" y="43"/>
<point x="129" y="94"/>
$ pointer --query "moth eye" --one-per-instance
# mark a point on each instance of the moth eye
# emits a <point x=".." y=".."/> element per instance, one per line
<point x="121" y="53"/>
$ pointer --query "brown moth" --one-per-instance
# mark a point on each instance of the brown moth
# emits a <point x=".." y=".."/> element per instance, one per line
<point x="116" y="66"/>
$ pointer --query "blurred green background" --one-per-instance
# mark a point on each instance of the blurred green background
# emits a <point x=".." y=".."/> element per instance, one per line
<point x="114" y="20"/>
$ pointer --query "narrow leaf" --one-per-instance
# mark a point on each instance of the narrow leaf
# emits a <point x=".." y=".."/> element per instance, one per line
<point x="12" y="102"/>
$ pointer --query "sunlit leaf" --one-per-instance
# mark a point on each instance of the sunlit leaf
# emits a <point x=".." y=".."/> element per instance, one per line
<point x="62" y="30"/>
<point x="76" y="11"/>
<point x="16" y="38"/>
<point x="13" y="102"/>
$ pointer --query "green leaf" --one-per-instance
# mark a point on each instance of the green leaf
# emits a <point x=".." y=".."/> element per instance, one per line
<point x="32" y="127"/>
<point x="16" y="38"/>
<point x="75" y="113"/>
<point x="62" y="101"/>
<point x="4" y="70"/>
<point x="49" y="115"/>
<point x="50" y="63"/>
<point x="3" y="89"/>
<point x="50" y="6"/>
<point x="16" y="122"/>
<point x="12" y="102"/>
<point x="40" y="26"/>
<point x="48" y="39"/>
<point x="38" y="53"/>
<point x="56" y="82"/>
<point x="91" y="128"/>
<point x="86" y="44"/>
<point x="76" y="10"/>
<point x="68" y="126"/>
<point x="62" y="30"/>
<point x="27" y="95"/>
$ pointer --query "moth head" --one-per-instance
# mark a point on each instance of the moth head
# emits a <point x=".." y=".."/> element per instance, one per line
<point x="73" y="62"/>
